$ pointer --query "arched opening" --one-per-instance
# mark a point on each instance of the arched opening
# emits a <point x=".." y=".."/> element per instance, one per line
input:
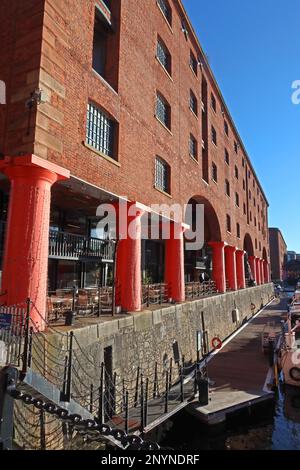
<point x="198" y="260"/>
<point x="248" y="248"/>
<point x="264" y="255"/>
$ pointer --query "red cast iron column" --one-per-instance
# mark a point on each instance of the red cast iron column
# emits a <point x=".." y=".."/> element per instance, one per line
<point x="174" y="262"/>
<point x="258" y="278"/>
<point x="218" y="262"/>
<point x="25" y="264"/>
<point x="230" y="265"/>
<point x="128" y="262"/>
<point x="240" y="269"/>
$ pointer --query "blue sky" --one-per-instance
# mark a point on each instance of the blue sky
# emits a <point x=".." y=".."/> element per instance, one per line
<point x="253" y="48"/>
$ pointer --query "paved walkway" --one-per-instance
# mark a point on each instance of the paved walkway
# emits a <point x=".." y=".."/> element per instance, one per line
<point x="240" y="372"/>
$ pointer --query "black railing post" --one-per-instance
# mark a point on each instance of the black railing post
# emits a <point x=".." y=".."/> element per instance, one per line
<point x="155" y="386"/>
<point x="91" y="398"/>
<point x="101" y="395"/>
<point x="26" y="338"/>
<point x="66" y="395"/>
<point x="170" y="372"/>
<point x="181" y="385"/>
<point x="148" y="295"/>
<point x="43" y="430"/>
<point x="136" y="396"/>
<point x="142" y="425"/>
<point x="146" y="403"/>
<point x="126" y="411"/>
<point x="167" y="393"/>
<point x="29" y="358"/>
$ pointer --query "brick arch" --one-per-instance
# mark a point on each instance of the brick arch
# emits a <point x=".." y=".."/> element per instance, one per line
<point x="212" y="229"/>
<point x="248" y="245"/>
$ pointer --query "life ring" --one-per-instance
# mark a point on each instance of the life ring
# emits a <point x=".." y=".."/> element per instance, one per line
<point x="295" y="374"/>
<point x="216" y="343"/>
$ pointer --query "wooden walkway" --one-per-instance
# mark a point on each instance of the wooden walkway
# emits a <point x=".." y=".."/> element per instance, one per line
<point x="239" y="373"/>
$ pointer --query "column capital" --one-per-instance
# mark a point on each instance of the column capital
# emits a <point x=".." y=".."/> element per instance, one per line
<point x="17" y="166"/>
<point x="214" y="244"/>
<point x="230" y="248"/>
<point x="240" y="252"/>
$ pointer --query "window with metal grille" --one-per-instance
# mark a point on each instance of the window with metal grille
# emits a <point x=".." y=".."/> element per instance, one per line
<point x="193" y="103"/>
<point x="238" y="230"/>
<point x="226" y="156"/>
<point x="226" y="129"/>
<point x="213" y="135"/>
<point x="166" y="10"/>
<point x="163" y="55"/>
<point x="214" y="171"/>
<point x="100" y="130"/>
<point x="193" y="63"/>
<point x="236" y="172"/>
<point x="162" y="175"/>
<point x="237" y="199"/>
<point x="163" y="110"/>
<point x="228" y="223"/>
<point x="227" y="188"/>
<point x="213" y="102"/>
<point x="193" y="147"/>
<point x="235" y="147"/>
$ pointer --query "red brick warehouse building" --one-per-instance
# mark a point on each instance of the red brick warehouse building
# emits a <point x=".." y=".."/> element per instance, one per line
<point x="128" y="107"/>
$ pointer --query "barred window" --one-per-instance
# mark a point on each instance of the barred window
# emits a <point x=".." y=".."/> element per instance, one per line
<point x="213" y="102"/>
<point x="162" y="175"/>
<point x="193" y="147"/>
<point x="193" y="103"/>
<point x="228" y="223"/>
<point x="100" y="130"/>
<point x="214" y="170"/>
<point x="227" y="188"/>
<point x="163" y="110"/>
<point x="166" y="9"/>
<point x="226" y="156"/>
<point x="235" y="147"/>
<point x="237" y="199"/>
<point x="163" y="55"/>
<point x="214" y="135"/>
<point x="193" y="63"/>
<point x="236" y="172"/>
<point x="226" y="129"/>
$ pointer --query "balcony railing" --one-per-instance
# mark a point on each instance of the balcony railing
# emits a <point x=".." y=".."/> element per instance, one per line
<point x="197" y="290"/>
<point x="68" y="245"/>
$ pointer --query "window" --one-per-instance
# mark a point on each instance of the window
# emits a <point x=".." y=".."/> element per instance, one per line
<point x="193" y="63"/>
<point x="227" y="188"/>
<point x="250" y="195"/>
<point x="259" y="246"/>
<point x="100" y="130"/>
<point x="193" y="147"/>
<point x="255" y="221"/>
<point x="237" y="199"/>
<point x="235" y="147"/>
<point x="226" y="156"/>
<point x="255" y="243"/>
<point x="250" y="216"/>
<point x="99" y="45"/>
<point x="238" y="231"/>
<point x="254" y="202"/>
<point x="236" y="172"/>
<point x="244" y="185"/>
<point x="228" y="223"/>
<point x="226" y="129"/>
<point x="243" y="162"/>
<point x="163" y="55"/>
<point x="162" y="175"/>
<point x="213" y="135"/>
<point x="193" y="103"/>
<point x="213" y="102"/>
<point x="214" y="171"/>
<point x="166" y="10"/>
<point x="163" y="110"/>
<point x="259" y="226"/>
<point x="244" y="208"/>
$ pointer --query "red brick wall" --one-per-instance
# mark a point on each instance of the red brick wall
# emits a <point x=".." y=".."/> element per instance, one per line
<point x="67" y="77"/>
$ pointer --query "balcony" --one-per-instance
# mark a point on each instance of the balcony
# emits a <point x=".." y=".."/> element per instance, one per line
<point x="64" y="245"/>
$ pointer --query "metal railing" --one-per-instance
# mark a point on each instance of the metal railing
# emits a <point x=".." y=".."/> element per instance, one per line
<point x="12" y="332"/>
<point x="68" y="245"/>
<point x="155" y="294"/>
<point x="197" y="290"/>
